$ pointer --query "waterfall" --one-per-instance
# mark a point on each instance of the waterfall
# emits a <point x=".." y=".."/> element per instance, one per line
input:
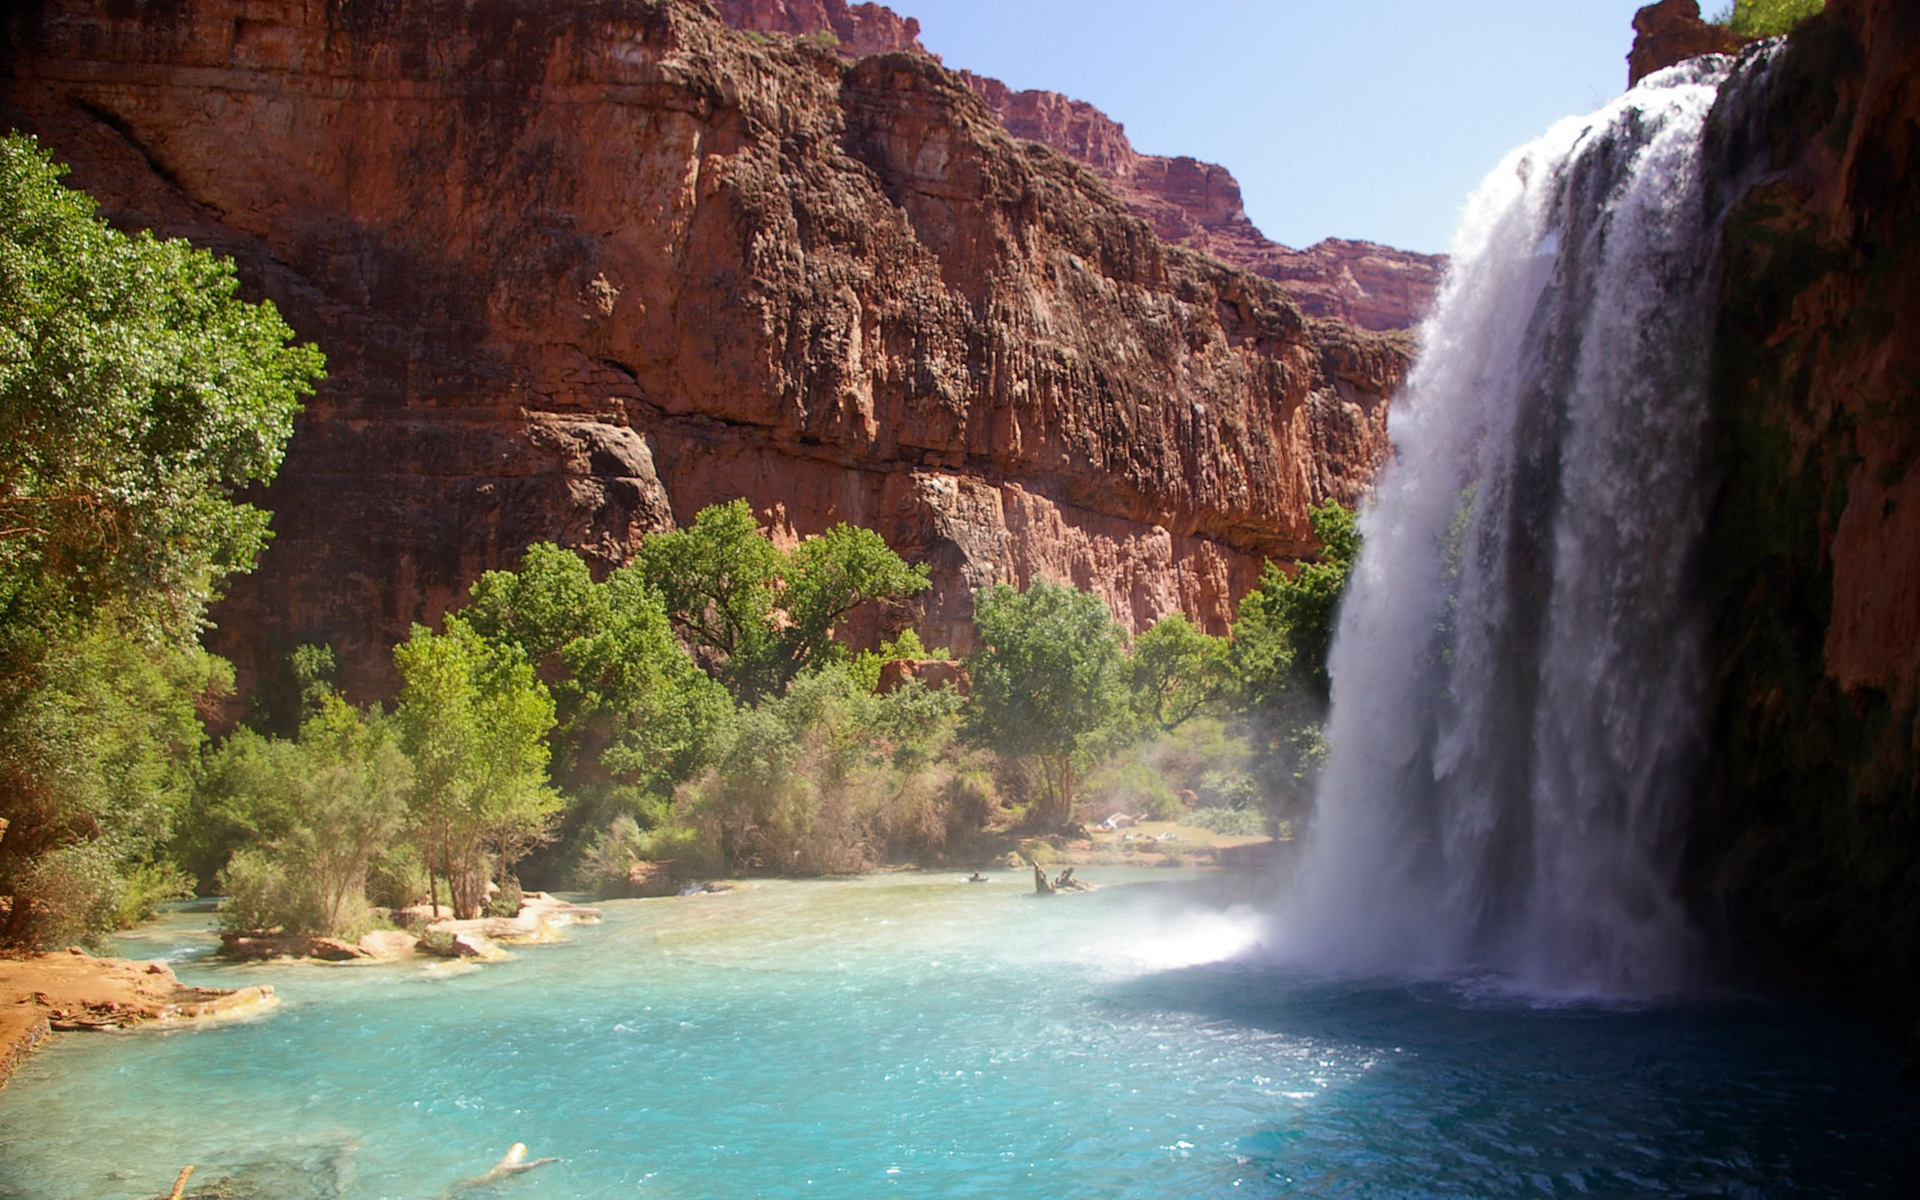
<point x="1518" y="669"/>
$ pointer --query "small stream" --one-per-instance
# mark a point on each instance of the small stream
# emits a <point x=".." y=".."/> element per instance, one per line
<point x="916" y="1036"/>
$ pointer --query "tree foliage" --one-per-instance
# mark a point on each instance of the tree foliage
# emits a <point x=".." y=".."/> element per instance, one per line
<point x="1049" y="682"/>
<point x="138" y="394"/>
<point x="757" y="616"/>
<point x="474" y="721"/>
<point x="299" y="823"/>
<point x="1178" y="671"/>
<point x="1286" y="623"/>
<point x="1767" y="18"/>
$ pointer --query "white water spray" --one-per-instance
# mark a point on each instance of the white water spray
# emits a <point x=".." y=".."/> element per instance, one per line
<point x="1518" y="670"/>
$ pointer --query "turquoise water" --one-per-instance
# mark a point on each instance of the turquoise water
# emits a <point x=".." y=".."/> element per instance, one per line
<point x="913" y="1036"/>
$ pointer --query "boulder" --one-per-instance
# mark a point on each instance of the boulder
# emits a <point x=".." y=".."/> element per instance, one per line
<point x="1671" y="32"/>
<point x="388" y="943"/>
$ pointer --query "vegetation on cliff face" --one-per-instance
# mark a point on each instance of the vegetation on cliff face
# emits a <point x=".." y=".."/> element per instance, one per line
<point x="137" y="396"/>
<point x="1766" y="18"/>
<point x="1809" y="838"/>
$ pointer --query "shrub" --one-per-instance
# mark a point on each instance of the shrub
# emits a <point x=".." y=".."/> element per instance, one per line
<point x="1129" y="787"/>
<point x="507" y="901"/>
<point x="1233" y="822"/>
<point x="1766" y="18"/>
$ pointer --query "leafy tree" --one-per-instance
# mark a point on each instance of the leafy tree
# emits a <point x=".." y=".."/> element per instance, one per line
<point x="653" y="712"/>
<point x="1286" y="623"/>
<point x="137" y="396"/>
<point x="317" y="813"/>
<point x="1178" y="671"/>
<point x="867" y="665"/>
<point x="755" y="616"/>
<point x="474" y="721"/>
<point x="1049" y="682"/>
<point x="550" y="601"/>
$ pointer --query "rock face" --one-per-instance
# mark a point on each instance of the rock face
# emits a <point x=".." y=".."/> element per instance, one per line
<point x="1188" y="202"/>
<point x="584" y="268"/>
<point x="1197" y="204"/>
<point x="1810" y="834"/>
<point x="1671" y="32"/>
<point x="860" y="29"/>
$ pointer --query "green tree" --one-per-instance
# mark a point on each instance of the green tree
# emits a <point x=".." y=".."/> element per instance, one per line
<point x="95" y="768"/>
<point x="651" y="710"/>
<point x="755" y="616"/>
<point x="138" y="395"/>
<point x="316" y="814"/>
<point x="550" y="601"/>
<point x="1049" y="682"/>
<point x="474" y="722"/>
<point x="1178" y="671"/>
<point x="1286" y="623"/>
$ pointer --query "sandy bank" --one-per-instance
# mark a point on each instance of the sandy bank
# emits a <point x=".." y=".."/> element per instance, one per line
<point x="73" y="991"/>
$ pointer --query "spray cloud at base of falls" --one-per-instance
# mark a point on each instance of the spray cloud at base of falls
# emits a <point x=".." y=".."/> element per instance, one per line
<point x="1518" y="670"/>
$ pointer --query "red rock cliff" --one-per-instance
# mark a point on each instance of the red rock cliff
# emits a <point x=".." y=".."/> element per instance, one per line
<point x="581" y="269"/>
<point x="1810" y="832"/>
<point x="1188" y="202"/>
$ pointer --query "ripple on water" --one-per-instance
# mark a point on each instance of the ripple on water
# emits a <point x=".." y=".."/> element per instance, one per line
<point x="911" y="1036"/>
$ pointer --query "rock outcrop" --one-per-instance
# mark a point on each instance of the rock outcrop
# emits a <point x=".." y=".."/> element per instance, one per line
<point x="1671" y="32"/>
<point x="1188" y="202"/>
<point x="584" y="268"/>
<point x="1808" y="844"/>
<point x="858" y="30"/>
<point x="1198" y="204"/>
<point x="76" y="991"/>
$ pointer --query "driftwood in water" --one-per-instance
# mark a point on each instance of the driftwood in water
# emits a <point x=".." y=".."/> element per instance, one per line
<point x="180" y="1184"/>
<point x="1040" y="885"/>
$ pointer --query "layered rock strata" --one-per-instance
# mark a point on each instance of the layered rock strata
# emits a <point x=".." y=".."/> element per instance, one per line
<point x="1198" y="204"/>
<point x="1188" y="202"/>
<point x="582" y="269"/>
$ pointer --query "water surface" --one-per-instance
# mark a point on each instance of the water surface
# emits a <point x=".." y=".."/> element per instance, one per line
<point x="914" y="1036"/>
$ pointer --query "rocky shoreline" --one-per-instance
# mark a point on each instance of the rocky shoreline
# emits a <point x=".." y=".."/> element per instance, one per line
<point x="540" y="916"/>
<point x="73" y="990"/>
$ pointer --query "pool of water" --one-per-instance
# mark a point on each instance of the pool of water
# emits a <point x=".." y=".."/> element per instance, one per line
<point x="915" y="1036"/>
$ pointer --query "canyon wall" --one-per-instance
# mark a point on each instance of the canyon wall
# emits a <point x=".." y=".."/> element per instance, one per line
<point x="583" y="268"/>
<point x="1807" y="844"/>
<point x="1188" y="202"/>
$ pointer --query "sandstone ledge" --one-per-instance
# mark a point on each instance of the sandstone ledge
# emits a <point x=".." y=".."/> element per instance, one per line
<point x="74" y="991"/>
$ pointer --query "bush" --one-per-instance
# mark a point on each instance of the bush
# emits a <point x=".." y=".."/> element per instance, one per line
<point x="1129" y="787"/>
<point x="1233" y="822"/>
<point x="507" y="901"/>
<point x="1767" y="18"/>
<point x="397" y="878"/>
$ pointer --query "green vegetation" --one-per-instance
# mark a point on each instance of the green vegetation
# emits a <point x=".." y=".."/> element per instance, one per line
<point x="702" y="704"/>
<point x="1049" y="683"/>
<point x="137" y="396"/>
<point x="1767" y="18"/>
<point x="756" y="616"/>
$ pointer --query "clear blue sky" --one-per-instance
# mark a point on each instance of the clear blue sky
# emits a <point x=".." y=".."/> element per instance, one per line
<point x="1341" y="118"/>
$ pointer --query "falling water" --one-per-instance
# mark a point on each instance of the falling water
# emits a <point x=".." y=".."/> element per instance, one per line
<point x="1518" y="671"/>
